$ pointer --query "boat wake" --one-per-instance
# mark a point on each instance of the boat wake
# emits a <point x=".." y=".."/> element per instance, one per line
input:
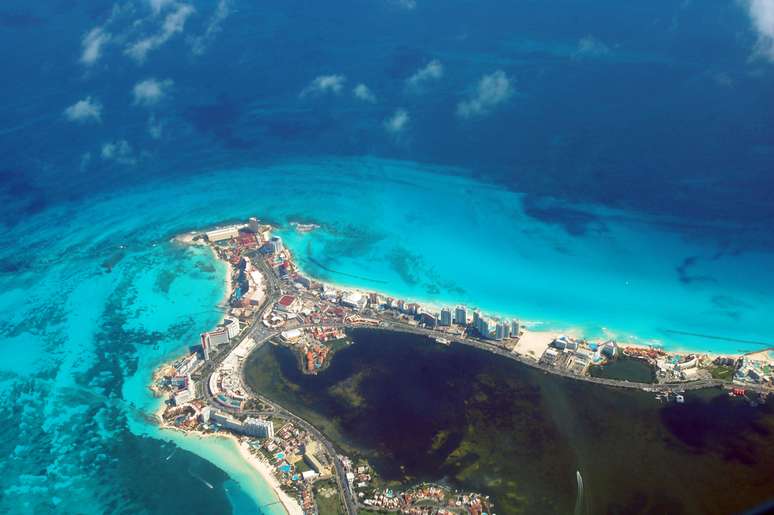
<point x="207" y="483"/>
<point x="579" y="499"/>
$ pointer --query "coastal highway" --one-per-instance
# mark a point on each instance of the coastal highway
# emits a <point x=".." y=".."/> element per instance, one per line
<point x="490" y="347"/>
<point x="278" y="411"/>
<point x="256" y="330"/>
<point x="261" y="334"/>
<point x="345" y="491"/>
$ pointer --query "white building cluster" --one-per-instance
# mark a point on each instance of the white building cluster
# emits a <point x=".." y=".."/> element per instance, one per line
<point x="685" y="368"/>
<point x="186" y="392"/>
<point x="756" y="371"/>
<point x="226" y="383"/>
<point x="255" y="427"/>
<point x="495" y="328"/>
<point x="221" y="335"/>
<point x="223" y="233"/>
<point x="188" y="365"/>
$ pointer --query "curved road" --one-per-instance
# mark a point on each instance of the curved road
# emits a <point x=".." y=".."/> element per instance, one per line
<point x="262" y="334"/>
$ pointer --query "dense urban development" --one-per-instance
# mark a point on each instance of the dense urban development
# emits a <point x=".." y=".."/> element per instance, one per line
<point x="272" y="302"/>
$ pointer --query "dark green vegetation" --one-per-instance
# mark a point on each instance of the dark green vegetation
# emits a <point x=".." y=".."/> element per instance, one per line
<point x="626" y="369"/>
<point x="419" y="411"/>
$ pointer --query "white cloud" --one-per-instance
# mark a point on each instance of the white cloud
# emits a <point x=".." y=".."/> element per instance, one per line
<point x="324" y="84"/>
<point x="150" y="91"/>
<point x="155" y="127"/>
<point x="406" y="4"/>
<point x="86" y="110"/>
<point x="159" y="5"/>
<point x="398" y="122"/>
<point x="762" y="15"/>
<point x="174" y="23"/>
<point x="431" y="72"/>
<point x="364" y="93"/>
<point x="222" y="11"/>
<point x="92" y="44"/>
<point x="118" y="151"/>
<point x="491" y="91"/>
<point x="590" y="46"/>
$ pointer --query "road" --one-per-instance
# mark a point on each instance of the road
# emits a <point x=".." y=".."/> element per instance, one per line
<point x="261" y="334"/>
<point x="491" y="347"/>
<point x="341" y="478"/>
<point x="278" y="411"/>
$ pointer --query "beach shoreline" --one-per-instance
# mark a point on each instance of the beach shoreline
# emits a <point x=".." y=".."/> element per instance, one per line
<point x="262" y="469"/>
<point x="187" y="239"/>
<point x="290" y="506"/>
<point x="531" y="344"/>
<point x="542" y="327"/>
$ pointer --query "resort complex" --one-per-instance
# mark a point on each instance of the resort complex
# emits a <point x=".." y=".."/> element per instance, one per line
<point x="272" y="302"/>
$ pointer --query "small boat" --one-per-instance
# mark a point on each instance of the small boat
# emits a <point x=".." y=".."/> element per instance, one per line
<point x="442" y="341"/>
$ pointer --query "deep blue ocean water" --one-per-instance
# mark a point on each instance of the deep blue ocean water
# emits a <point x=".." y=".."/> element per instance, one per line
<point x="595" y="166"/>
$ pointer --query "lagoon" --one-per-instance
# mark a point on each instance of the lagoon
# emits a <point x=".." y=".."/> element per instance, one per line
<point x="625" y="368"/>
<point x="126" y="299"/>
<point x="419" y="411"/>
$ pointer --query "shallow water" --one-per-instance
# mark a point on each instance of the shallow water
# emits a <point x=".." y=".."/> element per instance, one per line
<point x="623" y="188"/>
<point x="94" y="295"/>
<point x="420" y="411"/>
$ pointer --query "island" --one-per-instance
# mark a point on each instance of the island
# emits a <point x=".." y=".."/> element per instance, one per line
<point x="270" y="301"/>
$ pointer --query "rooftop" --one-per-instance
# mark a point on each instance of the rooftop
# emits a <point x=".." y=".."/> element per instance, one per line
<point x="286" y="300"/>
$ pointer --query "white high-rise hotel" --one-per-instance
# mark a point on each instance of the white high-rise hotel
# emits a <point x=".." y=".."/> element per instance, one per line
<point x="460" y="315"/>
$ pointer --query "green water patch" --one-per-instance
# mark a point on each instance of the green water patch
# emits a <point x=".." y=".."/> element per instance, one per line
<point x="477" y="421"/>
<point x="626" y="369"/>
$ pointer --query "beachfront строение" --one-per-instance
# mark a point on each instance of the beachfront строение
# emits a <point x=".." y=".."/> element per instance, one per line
<point x="273" y="301"/>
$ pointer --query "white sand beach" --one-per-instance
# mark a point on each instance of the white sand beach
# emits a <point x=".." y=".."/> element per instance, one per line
<point x="264" y="469"/>
<point x="533" y="344"/>
<point x="192" y="440"/>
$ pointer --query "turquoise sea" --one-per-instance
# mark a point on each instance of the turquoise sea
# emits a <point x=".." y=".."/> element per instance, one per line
<point x="95" y="295"/>
<point x="601" y="167"/>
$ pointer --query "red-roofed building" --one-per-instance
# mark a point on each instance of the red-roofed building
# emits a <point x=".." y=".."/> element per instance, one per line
<point x="286" y="303"/>
<point x="247" y="239"/>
